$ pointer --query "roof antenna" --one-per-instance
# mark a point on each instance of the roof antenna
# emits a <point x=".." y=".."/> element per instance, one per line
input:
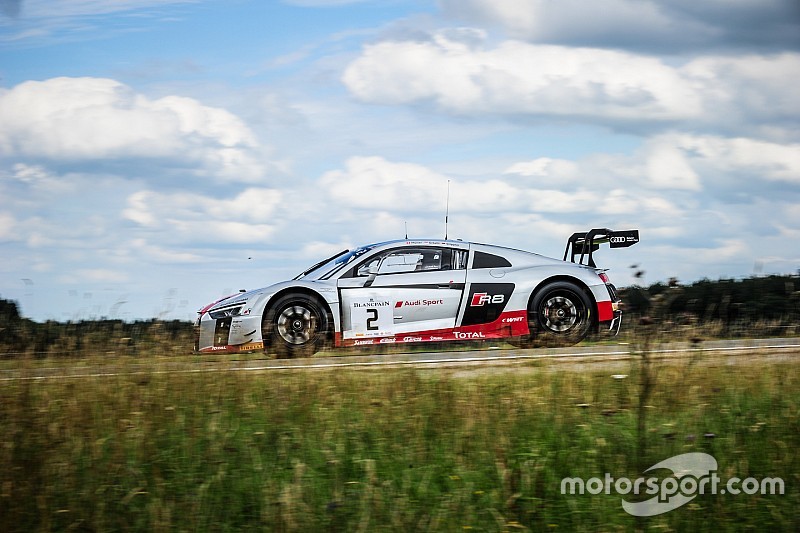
<point x="406" y="223"/>
<point x="447" y="210"/>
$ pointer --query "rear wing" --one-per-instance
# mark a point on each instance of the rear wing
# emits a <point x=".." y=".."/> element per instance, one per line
<point x="582" y="244"/>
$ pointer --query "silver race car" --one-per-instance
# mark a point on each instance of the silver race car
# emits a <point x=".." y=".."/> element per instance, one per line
<point x="418" y="291"/>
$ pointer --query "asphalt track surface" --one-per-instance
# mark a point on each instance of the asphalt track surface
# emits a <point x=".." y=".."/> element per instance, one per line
<point x="590" y="357"/>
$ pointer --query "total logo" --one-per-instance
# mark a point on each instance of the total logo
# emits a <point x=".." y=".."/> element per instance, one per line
<point x="469" y="335"/>
<point x="482" y="298"/>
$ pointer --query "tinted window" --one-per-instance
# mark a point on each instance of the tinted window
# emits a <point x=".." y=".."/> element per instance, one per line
<point x="484" y="260"/>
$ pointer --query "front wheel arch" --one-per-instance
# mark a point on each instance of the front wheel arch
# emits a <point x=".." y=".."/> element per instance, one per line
<point x="281" y="349"/>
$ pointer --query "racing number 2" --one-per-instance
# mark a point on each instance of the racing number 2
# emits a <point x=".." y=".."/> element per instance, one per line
<point x="372" y="318"/>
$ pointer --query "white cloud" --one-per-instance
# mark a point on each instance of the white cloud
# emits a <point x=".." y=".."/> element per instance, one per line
<point x="748" y="86"/>
<point x="373" y="183"/>
<point x="516" y="78"/>
<point x="682" y="161"/>
<point x="80" y="119"/>
<point x="187" y="218"/>
<point x="377" y="184"/>
<point x="618" y="202"/>
<point x="546" y="167"/>
<point x="668" y="168"/>
<point x="760" y="159"/>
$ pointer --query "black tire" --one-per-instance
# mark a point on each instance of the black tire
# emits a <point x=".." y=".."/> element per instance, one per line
<point x="560" y="314"/>
<point x="296" y="325"/>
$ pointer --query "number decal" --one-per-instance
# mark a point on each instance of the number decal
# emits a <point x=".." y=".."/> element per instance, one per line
<point x="372" y="319"/>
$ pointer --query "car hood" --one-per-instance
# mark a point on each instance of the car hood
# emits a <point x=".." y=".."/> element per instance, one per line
<point x="240" y="298"/>
<point x="256" y="298"/>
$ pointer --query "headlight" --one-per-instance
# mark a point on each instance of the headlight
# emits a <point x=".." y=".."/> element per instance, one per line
<point x="225" y="312"/>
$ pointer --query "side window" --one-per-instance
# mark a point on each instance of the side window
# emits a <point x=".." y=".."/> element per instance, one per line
<point x="401" y="262"/>
<point x="413" y="260"/>
<point x="484" y="260"/>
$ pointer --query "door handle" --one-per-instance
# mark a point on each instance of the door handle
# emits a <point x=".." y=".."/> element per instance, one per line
<point x="450" y="285"/>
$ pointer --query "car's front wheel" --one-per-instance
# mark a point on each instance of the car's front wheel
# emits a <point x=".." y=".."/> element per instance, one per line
<point x="297" y="325"/>
<point x="560" y="314"/>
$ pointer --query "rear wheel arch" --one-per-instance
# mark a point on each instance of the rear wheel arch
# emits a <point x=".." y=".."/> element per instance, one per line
<point x="585" y="288"/>
<point x="574" y="308"/>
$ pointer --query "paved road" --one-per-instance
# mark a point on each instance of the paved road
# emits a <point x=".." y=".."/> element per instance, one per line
<point x="780" y="348"/>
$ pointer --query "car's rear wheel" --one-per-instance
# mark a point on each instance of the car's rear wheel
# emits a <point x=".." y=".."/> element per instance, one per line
<point x="560" y="314"/>
<point x="297" y="325"/>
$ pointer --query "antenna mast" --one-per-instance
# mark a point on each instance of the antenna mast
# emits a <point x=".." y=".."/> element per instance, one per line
<point x="447" y="210"/>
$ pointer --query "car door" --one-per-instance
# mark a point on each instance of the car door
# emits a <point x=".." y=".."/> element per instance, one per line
<point x="403" y="291"/>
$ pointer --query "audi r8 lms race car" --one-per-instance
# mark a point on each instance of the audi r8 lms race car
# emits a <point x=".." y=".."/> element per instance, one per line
<point x="418" y="291"/>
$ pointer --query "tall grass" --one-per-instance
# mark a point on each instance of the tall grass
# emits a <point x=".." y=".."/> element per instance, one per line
<point x="395" y="450"/>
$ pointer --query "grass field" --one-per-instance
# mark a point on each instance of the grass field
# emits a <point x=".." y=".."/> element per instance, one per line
<point x="391" y="450"/>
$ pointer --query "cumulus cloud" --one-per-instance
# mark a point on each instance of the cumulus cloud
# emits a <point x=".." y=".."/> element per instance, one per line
<point x="668" y="168"/>
<point x="516" y="79"/>
<point x="685" y="156"/>
<point x="91" y="119"/>
<point x="188" y="218"/>
<point x="377" y="184"/>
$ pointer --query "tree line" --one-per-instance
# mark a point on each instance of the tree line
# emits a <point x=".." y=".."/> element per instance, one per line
<point x="750" y="300"/>
<point x="22" y="336"/>
<point x="755" y="306"/>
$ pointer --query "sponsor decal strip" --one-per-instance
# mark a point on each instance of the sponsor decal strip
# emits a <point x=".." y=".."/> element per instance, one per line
<point x="234" y="348"/>
<point x="508" y="324"/>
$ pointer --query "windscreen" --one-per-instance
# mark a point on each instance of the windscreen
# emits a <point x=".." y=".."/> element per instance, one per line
<point x="327" y="268"/>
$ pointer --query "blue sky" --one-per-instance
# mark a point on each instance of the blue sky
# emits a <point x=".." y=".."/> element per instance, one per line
<point x="158" y="154"/>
